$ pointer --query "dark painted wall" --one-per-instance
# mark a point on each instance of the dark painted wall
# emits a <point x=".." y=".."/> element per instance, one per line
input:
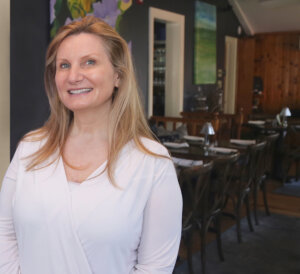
<point x="28" y="42"/>
<point x="30" y="36"/>
<point x="227" y="24"/>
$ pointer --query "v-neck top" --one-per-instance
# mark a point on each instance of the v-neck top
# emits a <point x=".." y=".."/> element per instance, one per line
<point x="73" y="185"/>
<point x="49" y="225"/>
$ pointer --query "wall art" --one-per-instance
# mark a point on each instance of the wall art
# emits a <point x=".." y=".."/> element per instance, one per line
<point x="64" y="11"/>
<point x="205" y="43"/>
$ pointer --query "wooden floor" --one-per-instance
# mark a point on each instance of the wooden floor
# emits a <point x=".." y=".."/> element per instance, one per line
<point x="278" y="203"/>
<point x="281" y="204"/>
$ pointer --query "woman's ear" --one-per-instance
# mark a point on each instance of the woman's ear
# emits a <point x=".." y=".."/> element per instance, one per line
<point x="117" y="80"/>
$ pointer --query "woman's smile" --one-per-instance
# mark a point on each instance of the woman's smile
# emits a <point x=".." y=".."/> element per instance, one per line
<point x="80" y="91"/>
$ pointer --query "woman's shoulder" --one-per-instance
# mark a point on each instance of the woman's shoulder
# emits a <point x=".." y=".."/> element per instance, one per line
<point x="34" y="135"/>
<point x="32" y="141"/>
<point x="149" y="145"/>
<point x="154" y="146"/>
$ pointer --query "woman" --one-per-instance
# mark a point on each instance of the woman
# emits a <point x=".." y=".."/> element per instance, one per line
<point x="90" y="191"/>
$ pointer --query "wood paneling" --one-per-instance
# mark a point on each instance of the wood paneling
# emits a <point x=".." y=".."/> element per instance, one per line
<point x="246" y="51"/>
<point x="277" y="61"/>
<point x="275" y="57"/>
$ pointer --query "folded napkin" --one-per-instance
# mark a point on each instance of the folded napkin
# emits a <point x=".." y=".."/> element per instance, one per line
<point x="242" y="142"/>
<point x="223" y="150"/>
<point x="176" y="145"/>
<point x="256" y="122"/>
<point x="186" y="162"/>
<point x="193" y="138"/>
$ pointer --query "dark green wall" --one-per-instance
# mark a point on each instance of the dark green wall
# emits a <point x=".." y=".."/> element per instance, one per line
<point x="29" y="39"/>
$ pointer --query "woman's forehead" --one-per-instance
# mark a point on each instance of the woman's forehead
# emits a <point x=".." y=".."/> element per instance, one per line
<point x="81" y="44"/>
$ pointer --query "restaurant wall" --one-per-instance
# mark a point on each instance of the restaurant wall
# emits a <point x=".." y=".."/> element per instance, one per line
<point x="277" y="62"/>
<point x="4" y="87"/>
<point x="30" y="36"/>
<point x="274" y="58"/>
<point x="227" y="24"/>
<point x="29" y="39"/>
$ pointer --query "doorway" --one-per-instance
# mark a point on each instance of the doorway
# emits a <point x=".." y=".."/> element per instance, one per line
<point x="231" y="47"/>
<point x="172" y="71"/>
<point x="159" y="68"/>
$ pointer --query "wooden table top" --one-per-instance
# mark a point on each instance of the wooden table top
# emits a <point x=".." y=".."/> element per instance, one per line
<point x="195" y="152"/>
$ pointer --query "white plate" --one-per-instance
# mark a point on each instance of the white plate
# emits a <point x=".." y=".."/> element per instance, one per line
<point x="186" y="162"/>
<point x="242" y="142"/>
<point x="176" y="145"/>
<point x="223" y="150"/>
<point x="256" y="122"/>
<point x="193" y="138"/>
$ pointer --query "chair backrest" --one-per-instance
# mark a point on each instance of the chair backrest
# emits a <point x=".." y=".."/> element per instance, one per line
<point x="225" y="125"/>
<point x="269" y="151"/>
<point x="193" y="125"/>
<point x="292" y="138"/>
<point x="221" y="178"/>
<point x="194" y="182"/>
<point x="255" y="167"/>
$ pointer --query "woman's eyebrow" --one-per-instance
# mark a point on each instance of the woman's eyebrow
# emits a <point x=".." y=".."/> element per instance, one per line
<point x="89" y="55"/>
<point x="61" y="59"/>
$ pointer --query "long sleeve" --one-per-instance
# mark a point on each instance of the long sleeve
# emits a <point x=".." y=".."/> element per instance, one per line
<point x="9" y="263"/>
<point x="158" y="249"/>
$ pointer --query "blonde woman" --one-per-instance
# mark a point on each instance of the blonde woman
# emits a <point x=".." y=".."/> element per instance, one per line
<point x="90" y="191"/>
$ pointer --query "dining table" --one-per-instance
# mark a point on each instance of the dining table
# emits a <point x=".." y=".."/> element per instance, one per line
<point x="261" y="128"/>
<point x="270" y="126"/>
<point x="193" y="149"/>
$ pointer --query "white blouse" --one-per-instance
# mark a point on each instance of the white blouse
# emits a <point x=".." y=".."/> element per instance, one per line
<point x="48" y="226"/>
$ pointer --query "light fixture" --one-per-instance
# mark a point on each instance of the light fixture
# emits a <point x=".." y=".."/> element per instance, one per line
<point x="285" y="112"/>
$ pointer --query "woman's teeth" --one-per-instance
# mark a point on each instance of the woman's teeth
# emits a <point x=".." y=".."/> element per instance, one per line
<point x="79" y="91"/>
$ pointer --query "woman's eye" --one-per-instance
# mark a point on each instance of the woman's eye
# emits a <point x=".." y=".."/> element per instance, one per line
<point x="90" y="62"/>
<point x="64" y="65"/>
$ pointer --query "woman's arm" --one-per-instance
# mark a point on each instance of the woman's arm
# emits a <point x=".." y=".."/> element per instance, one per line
<point x="161" y="233"/>
<point x="9" y="262"/>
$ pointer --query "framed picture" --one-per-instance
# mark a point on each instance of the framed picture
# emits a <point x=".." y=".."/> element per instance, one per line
<point x="205" y="43"/>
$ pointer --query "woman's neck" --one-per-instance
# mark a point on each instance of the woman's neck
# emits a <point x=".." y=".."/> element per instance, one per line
<point x="90" y="124"/>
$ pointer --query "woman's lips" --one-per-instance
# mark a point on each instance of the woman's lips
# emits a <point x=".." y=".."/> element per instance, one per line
<point x="80" y="91"/>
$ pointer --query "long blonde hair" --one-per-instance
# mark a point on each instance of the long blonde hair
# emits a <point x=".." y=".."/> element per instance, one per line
<point x="127" y="120"/>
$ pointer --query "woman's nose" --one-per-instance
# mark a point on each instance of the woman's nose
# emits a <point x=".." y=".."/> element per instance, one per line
<point x="75" y="74"/>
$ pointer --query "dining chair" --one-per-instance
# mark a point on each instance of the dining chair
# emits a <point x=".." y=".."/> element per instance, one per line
<point x="194" y="182"/>
<point x="291" y="153"/>
<point x="266" y="172"/>
<point x="270" y="153"/>
<point x="220" y="182"/>
<point x="242" y="184"/>
<point x="259" y="173"/>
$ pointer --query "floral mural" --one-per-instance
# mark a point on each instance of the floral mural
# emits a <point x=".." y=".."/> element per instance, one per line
<point x="64" y="11"/>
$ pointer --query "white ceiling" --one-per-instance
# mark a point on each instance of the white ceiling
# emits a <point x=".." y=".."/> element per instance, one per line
<point x="263" y="16"/>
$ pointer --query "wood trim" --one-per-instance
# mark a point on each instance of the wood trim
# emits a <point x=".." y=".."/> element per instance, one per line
<point x="4" y="87"/>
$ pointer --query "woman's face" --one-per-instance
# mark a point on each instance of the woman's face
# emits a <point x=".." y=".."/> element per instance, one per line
<point x="85" y="78"/>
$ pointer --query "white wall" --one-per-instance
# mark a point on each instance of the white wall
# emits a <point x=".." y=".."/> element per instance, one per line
<point x="4" y="86"/>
